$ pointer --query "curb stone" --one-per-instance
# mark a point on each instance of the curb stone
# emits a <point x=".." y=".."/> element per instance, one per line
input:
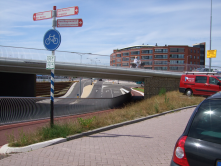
<point x="5" y="149"/>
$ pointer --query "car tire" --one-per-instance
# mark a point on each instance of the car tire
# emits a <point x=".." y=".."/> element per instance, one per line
<point x="189" y="92"/>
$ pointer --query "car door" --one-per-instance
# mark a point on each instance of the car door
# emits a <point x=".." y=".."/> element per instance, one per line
<point x="213" y="86"/>
<point x="201" y="85"/>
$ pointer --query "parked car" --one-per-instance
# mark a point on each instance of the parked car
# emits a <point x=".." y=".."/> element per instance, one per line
<point x="200" y="84"/>
<point x="100" y="79"/>
<point x="200" y="143"/>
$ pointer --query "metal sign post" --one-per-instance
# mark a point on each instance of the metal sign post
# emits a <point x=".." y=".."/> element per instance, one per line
<point x="52" y="73"/>
<point x="52" y="40"/>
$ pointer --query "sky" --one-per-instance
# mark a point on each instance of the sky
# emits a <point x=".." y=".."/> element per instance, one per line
<point x="114" y="24"/>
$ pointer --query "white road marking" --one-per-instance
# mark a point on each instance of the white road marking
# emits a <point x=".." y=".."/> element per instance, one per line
<point x="75" y="102"/>
<point x="111" y="93"/>
<point x="122" y="89"/>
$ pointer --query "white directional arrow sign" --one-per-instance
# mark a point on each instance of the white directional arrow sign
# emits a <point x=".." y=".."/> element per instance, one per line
<point x="42" y="15"/>
<point x="69" y="22"/>
<point x="67" y="11"/>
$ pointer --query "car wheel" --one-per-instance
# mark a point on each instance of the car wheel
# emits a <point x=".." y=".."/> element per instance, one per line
<point x="189" y="92"/>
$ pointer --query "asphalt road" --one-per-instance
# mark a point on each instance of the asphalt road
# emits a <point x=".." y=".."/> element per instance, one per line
<point x="109" y="89"/>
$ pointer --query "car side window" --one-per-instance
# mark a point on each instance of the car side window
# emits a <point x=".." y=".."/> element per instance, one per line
<point x="212" y="80"/>
<point x="201" y="79"/>
<point x="206" y="124"/>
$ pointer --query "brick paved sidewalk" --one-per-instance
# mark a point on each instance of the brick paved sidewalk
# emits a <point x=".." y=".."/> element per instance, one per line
<point x="150" y="143"/>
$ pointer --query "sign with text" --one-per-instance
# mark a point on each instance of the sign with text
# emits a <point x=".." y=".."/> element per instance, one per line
<point x="50" y="62"/>
<point x="42" y="15"/>
<point x="67" y="11"/>
<point x="69" y="22"/>
<point x="211" y="53"/>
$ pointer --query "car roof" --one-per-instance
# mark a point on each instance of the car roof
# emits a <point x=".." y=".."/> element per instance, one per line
<point x="215" y="96"/>
<point x="195" y="74"/>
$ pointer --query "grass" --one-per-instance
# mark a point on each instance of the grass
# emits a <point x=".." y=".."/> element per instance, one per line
<point x="139" y="89"/>
<point x="156" y="104"/>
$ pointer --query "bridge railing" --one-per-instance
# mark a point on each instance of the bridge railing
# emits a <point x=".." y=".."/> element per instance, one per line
<point x="97" y="59"/>
<point x="23" y="109"/>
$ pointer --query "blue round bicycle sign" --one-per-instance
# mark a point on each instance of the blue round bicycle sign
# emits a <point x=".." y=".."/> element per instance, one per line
<point x="52" y="39"/>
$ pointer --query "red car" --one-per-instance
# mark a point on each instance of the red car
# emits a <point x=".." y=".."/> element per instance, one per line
<point x="200" y="83"/>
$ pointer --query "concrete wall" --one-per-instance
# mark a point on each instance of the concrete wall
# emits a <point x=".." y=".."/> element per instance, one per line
<point x="17" y="85"/>
<point x="152" y="85"/>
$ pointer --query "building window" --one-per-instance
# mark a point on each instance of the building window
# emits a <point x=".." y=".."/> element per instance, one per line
<point x="191" y="50"/>
<point x="190" y="62"/>
<point x="126" y="54"/>
<point x="148" y="68"/>
<point x="191" y="56"/>
<point x="180" y="56"/>
<point x="113" y="65"/>
<point x="126" y="59"/>
<point x="194" y="51"/>
<point x="194" y="57"/>
<point x="113" y="61"/>
<point x="179" y="68"/>
<point x="177" y="49"/>
<point x="118" y="55"/>
<point x="160" y="62"/>
<point x="160" y="56"/>
<point x="118" y="60"/>
<point x="147" y="51"/>
<point x="147" y="63"/>
<point x="114" y="56"/>
<point x="146" y="57"/>
<point x="135" y="52"/>
<point x="176" y="62"/>
<point x="198" y="51"/>
<point x="198" y="57"/>
<point x="119" y="64"/>
<point x="125" y="64"/>
<point x="132" y="58"/>
<point x="161" y="50"/>
<point x="160" y="68"/>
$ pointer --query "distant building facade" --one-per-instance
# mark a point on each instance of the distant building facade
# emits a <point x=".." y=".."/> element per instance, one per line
<point x="171" y="57"/>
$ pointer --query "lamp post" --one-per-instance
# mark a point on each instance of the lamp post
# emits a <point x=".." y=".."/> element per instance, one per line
<point x="210" y="35"/>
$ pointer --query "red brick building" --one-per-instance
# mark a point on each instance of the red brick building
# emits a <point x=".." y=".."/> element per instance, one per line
<point x="171" y="57"/>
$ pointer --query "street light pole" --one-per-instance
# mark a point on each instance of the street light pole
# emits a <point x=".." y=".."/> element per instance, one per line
<point x="210" y="35"/>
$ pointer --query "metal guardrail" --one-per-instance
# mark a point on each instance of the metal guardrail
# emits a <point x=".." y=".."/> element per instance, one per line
<point x="22" y="109"/>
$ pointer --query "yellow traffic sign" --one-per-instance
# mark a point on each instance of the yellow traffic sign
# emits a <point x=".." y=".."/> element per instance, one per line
<point x="211" y="53"/>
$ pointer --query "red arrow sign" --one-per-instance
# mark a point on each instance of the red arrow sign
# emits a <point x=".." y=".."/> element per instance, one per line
<point x="42" y="15"/>
<point x="69" y="22"/>
<point x="67" y="11"/>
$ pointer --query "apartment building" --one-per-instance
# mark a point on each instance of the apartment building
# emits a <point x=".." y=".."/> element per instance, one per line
<point x="168" y="57"/>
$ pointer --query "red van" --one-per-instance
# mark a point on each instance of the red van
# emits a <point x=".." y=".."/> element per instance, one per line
<point x="203" y="83"/>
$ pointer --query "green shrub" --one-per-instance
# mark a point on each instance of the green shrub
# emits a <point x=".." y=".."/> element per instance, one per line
<point x="162" y="91"/>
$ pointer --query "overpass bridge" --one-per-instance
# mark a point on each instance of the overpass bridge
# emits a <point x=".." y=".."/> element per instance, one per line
<point x="153" y="79"/>
<point x="18" y="71"/>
